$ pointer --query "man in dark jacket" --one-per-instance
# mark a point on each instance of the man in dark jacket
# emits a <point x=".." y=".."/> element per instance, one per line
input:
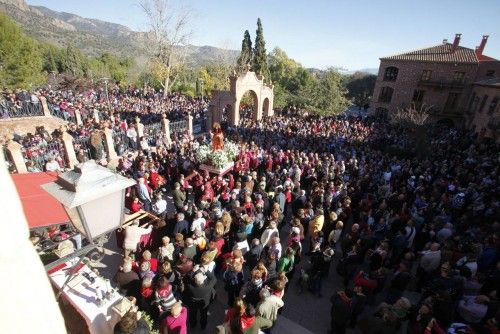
<point x="199" y="294"/>
<point x="181" y="226"/>
<point x="400" y="280"/>
<point x="341" y="311"/>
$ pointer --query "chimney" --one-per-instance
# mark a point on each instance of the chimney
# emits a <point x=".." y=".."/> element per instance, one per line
<point x="480" y="48"/>
<point x="445" y="41"/>
<point x="456" y="42"/>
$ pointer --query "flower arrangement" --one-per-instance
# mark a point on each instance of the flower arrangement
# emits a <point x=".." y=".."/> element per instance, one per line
<point x="219" y="158"/>
<point x="231" y="150"/>
<point x="202" y="153"/>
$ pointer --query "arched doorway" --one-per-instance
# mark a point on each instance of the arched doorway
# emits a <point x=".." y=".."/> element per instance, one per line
<point x="265" y="107"/>
<point x="245" y="83"/>
<point x="249" y="104"/>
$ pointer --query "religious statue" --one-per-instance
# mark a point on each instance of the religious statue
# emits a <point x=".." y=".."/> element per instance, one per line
<point x="218" y="138"/>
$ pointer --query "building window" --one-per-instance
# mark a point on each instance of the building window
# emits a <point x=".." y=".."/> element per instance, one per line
<point x="483" y="103"/>
<point x="391" y="73"/>
<point x="459" y="77"/>
<point x="490" y="73"/>
<point x="493" y="105"/>
<point x="451" y="102"/>
<point x="475" y="104"/>
<point x="385" y="94"/>
<point x="426" y="75"/>
<point x="418" y="97"/>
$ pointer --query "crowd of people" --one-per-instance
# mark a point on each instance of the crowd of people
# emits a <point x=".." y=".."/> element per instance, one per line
<point x="44" y="151"/>
<point x="147" y="104"/>
<point x="312" y="199"/>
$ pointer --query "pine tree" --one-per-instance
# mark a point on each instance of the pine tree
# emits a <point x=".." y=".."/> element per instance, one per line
<point x="246" y="51"/>
<point x="259" y="64"/>
<point x="20" y="57"/>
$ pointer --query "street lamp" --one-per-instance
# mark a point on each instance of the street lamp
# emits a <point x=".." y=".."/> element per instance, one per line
<point x="93" y="197"/>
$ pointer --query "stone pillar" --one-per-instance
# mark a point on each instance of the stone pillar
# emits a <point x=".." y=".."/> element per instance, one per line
<point x="69" y="149"/>
<point x="165" y="127"/>
<point x="140" y="129"/>
<point x="95" y="113"/>
<point x="210" y="119"/>
<point x="45" y="106"/>
<point x="14" y="149"/>
<point x="235" y="114"/>
<point x="190" y="125"/>
<point x="109" y="144"/>
<point x="78" y="117"/>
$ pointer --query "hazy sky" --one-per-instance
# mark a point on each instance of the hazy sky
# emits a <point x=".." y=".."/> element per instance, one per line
<point x="352" y="34"/>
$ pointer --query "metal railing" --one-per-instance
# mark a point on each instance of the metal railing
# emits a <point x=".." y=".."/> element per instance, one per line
<point x="103" y="116"/>
<point x="36" y="156"/>
<point x="120" y="141"/>
<point x="153" y="133"/>
<point x="179" y="126"/>
<point x="62" y="114"/>
<point x="82" y="143"/>
<point x="442" y="83"/>
<point x="20" y="109"/>
<point x="199" y="125"/>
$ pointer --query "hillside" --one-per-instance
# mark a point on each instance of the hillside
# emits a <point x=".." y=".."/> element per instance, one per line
<point x="94" y="37"/>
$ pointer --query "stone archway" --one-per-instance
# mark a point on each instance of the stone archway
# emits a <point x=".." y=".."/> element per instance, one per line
<point x="246" y="81"/>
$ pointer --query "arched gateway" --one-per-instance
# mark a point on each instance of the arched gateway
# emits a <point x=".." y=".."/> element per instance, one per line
<point x="262" y="94"/>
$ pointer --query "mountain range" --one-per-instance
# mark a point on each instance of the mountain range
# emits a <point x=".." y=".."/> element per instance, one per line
<point x="94" y="37"/>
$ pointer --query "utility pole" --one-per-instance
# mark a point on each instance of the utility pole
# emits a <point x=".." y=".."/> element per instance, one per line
<point x="106" y="91"/>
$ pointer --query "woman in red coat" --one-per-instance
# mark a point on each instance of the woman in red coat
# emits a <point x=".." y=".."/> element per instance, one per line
<point x="136" y="206"/>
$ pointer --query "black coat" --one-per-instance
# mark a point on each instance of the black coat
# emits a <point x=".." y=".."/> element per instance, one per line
<point x="201" y="295"/>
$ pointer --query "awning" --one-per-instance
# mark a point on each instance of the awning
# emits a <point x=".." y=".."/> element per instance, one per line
<point x="40" y="208"/>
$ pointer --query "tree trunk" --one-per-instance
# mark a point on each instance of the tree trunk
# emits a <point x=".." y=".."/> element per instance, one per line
<point x="165" y="89"/>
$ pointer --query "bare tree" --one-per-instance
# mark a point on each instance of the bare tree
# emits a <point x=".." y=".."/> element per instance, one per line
<point x="411" y="116"/>
<point x="169" y="34"/>
<point x="413" y="120"/>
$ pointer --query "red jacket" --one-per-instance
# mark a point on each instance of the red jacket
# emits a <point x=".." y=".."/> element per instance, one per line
<point x="135" y="207"/>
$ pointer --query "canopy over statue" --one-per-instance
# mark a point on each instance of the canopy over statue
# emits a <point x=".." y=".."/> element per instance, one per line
<point x="240" y="84"/>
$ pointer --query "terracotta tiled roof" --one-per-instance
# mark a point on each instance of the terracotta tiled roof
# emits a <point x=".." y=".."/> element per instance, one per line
<point x="441" y="54"/>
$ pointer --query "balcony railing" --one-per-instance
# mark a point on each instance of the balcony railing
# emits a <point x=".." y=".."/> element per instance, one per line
<point x="441" y="83"/>
<point x="20" y="109"/>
